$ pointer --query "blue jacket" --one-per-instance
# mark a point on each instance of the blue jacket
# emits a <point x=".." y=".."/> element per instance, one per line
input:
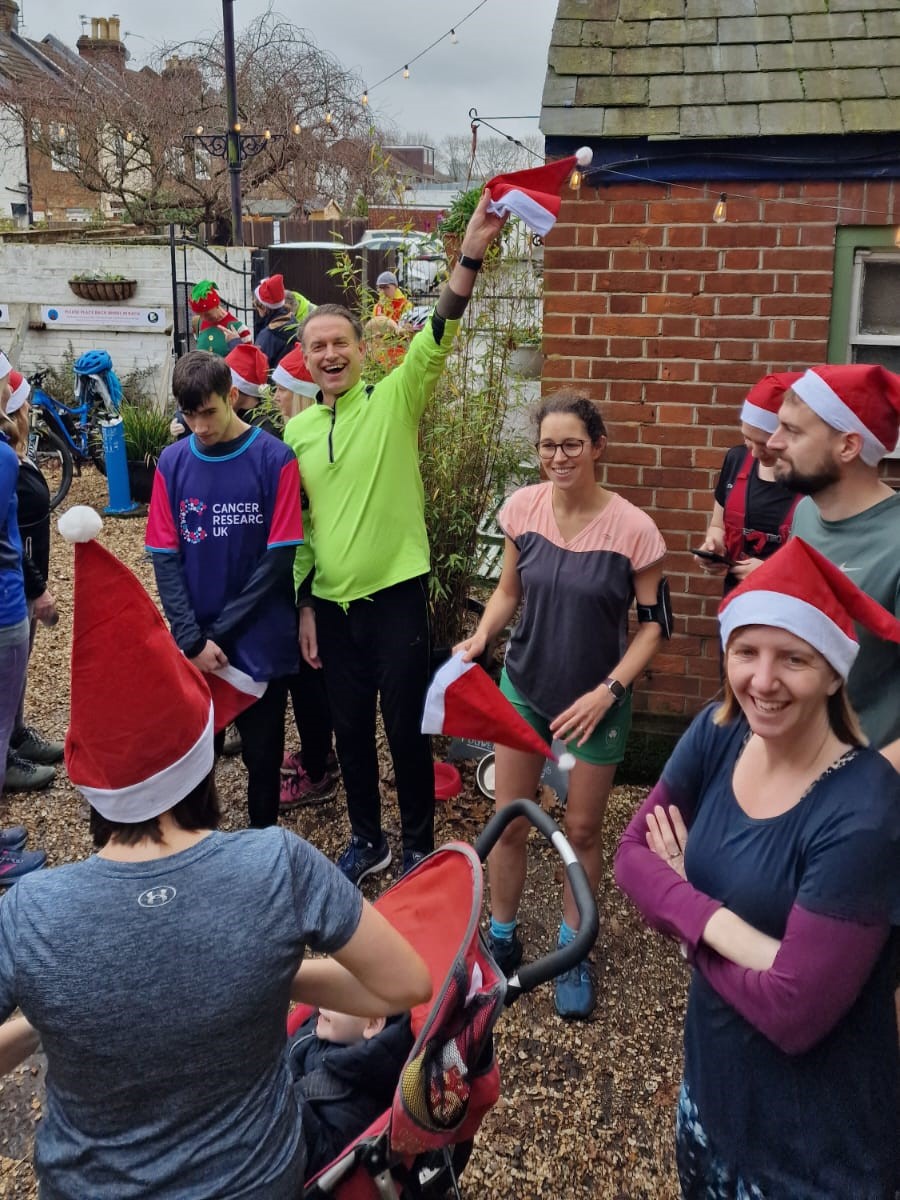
<point x="13" y="608"/>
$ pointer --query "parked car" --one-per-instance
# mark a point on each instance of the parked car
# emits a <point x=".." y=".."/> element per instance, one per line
<point x="421" y="262"/>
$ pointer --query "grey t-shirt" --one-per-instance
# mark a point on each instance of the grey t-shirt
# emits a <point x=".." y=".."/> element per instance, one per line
<point x="867" y="549"/>
<point x="161" y="991"/>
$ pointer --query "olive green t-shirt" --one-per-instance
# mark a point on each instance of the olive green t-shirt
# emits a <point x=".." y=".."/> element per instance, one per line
<point x="866" y="547"/>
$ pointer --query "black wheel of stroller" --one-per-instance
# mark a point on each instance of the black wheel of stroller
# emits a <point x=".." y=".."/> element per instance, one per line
<point x="432" y="1179"/>
<point x="54" y="458"/>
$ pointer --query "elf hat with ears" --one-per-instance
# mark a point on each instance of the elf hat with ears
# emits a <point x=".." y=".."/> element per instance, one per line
<point x="535" y="194"/>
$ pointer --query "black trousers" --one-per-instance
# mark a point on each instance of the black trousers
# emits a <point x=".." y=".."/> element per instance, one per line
<point x="312" y="714"/>
<point x="380" y="647"/>
<point x="261" y="727"/>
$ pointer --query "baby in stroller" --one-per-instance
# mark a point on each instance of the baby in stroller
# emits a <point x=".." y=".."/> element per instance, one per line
<point x="345" y="1071"/>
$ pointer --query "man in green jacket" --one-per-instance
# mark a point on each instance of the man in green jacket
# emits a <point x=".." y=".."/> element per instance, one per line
<point x="365" y="621"/>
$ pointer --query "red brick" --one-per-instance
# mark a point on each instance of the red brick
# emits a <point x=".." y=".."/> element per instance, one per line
<point x="736" y="306"/>
<point x="737" y="351"/>
<point x="819" y="235"/>
<point x="741" y="260"/>
<point x="817" y="284"/>
<point x="677" y="477"/>
<point x="587" y="212"/>
<point x="585" y="236"/>
<point x="789" y="235"/>
<point x="637" y="326"/>
<point x="684" y="282"/>
<point x="802" y="351"/>
<point x="628" y="260"/>
<point x="677" y="372"/>
<point x="677" y="393"/>
<point x="798" y="260"/>
<point x="665" y="302"/>
<point x="722" y="372"/>
<point x="677" y="456"/>
<point x="620" y="410"/>
<point x="582" y="326"/>
<point x="685" y="235"/>
<point x="672" y="499"/>
<point x="585" y="259"/>
<point x="682" y="212"/>
<point x="691" y="349"/>
<point x="733" y="283"/>
<point x="683" y="260"/>
<point x="679" y="326"/>
<point x="795" y="306"/>
<point x="633" y="235"/>
<point x="621" y="347"/>
<point x="676" y="414"/>
<point x="733" y="327"/>
<point x="637" y="368"/>
<point x="617" y="451"/>
<point x="624" y="303"/>
<point x="723" y="236"/>
<point x="557" y="324"/>
<point x="633" y="212"/>
<point x="711" y="458"/>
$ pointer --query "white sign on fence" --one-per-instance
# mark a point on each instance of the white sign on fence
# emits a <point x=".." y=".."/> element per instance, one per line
<point x="98" y="316"/>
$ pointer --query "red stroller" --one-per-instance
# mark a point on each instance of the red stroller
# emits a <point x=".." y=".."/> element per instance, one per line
<point x="418" y="1148"/>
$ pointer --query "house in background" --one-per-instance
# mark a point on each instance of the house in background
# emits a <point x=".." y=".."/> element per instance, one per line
<point x="790" y="108"/>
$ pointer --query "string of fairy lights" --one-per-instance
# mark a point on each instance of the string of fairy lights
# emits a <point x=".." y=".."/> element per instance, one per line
<point x="720" y="211"/>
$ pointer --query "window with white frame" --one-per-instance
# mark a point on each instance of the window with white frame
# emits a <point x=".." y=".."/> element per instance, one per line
<point x="874" y="334"/>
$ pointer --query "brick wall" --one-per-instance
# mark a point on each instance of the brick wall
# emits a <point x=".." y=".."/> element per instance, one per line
<point x="667" y="319"/>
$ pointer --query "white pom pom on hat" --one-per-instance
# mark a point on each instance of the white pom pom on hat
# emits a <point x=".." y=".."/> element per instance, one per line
<point x="567" y="761"/>
<point x="584" y="156"/>
<point x="79" y="524"/>
<point x="534" y="195"/>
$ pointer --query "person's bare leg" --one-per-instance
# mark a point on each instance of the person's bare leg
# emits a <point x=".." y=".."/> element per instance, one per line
<point x="589" y="788"/>
<point x="516" y="777"/>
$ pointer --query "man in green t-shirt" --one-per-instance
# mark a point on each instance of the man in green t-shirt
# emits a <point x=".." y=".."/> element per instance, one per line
<point x="835" y="426"/>
<point x="365" y="619"/>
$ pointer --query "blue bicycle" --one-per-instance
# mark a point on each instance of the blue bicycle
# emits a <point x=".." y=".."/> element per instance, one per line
<point x="63" y="437"/>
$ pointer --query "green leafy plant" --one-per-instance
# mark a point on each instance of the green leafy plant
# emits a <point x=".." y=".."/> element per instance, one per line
<point x="99" y="277"/>
<point x="456" y="218"/>
<point x="146" y="431"/>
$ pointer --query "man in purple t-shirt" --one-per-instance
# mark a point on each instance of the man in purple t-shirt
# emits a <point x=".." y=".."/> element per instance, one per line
<point x="223" y="527"/>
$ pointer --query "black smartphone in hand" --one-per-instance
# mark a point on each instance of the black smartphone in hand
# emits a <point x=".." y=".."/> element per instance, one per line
<point x="711" y="556"/>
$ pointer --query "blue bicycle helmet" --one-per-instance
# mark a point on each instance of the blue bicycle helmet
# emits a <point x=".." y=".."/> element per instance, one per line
<point x="93" y="362"/>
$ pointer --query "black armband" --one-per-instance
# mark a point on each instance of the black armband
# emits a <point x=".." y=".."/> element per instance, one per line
<point x="660" y="612"/>
<point x="450" y="305"/>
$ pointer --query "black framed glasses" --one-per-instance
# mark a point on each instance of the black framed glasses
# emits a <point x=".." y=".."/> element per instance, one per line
<point x="571" y="448"/>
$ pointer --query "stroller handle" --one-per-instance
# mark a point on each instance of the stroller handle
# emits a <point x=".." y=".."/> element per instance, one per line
<point x="560" y="960"/>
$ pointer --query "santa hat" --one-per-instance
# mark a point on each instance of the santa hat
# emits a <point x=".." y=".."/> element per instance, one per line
<point x="249" y="369"/>
<point x="293" y="373"/>
<point x="801" y="591"/>
<point x="762" y="402"/>
<point x="534" y="195"/>
<point x="270" y="292"/>
<point x="463" y="701"/>
<point x="204" y="296"/>
<point x="861" y="398"/>
<point x="19" y="393"/>
<point x="5" y="365"/>
<point x="232" y="691"/>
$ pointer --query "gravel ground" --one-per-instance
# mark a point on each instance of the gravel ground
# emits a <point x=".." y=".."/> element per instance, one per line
<point x="587" y="1108"/>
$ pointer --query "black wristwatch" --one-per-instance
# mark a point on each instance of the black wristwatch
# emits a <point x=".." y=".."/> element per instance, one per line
<point x="619" y="690"/>
<point x="473" y="264"/>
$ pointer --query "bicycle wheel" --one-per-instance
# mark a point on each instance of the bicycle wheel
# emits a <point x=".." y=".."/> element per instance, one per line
<point x="54" y="459"/>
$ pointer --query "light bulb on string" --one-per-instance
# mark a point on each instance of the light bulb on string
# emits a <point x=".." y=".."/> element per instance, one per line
<point x="329" y="117"/>
<point x="453" y="38"/>
<point x="365" y="98"/>
<point x="295" y="128"/>
<point x="129" y="136"/>
<point x="575" y="180"/>
<point x="406" y="71"/>
<point x="720" y="212"/>
<point x="198" y="130"/>
<point x="237" y="127"/>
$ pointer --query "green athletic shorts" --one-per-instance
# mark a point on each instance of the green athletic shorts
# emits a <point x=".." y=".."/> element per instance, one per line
<point x="604" y="747"/>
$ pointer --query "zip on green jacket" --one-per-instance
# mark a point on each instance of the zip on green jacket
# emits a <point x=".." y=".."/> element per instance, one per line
<point x="359" y="466"/>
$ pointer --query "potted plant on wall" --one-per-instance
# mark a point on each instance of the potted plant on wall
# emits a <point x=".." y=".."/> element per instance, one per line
<point x="526" y="357"/>
<point x="103" y="286"/>
<point x="146" y="431"/>
<point x="452" y="226"/>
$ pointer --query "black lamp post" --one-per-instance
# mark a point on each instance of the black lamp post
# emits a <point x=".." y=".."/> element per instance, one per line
<point x="233" y="145"/>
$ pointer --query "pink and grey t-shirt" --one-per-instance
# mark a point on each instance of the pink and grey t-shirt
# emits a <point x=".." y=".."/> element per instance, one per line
<point x="576" y="595"/>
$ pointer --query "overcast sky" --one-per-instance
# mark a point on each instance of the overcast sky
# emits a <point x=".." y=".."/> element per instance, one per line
<point x="497" y="66"/>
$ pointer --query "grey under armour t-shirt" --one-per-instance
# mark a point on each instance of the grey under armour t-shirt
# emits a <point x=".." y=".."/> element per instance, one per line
<point x="161" y="992"/>
<point x="867" y="549"/>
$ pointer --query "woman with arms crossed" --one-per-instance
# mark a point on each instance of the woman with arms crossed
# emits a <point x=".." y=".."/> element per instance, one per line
<point x="780" y="898"/>
<point x="576" y="555"/>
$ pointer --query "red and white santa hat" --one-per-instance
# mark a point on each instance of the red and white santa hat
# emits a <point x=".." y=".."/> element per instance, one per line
<point x="293" y="373"/>
<point x="801" y="591"/>
<point x="535" y="194"/>
<point x="249" y="369"/>
<point x="270" y="292"/>
<point x="861" y="398"/>
<point x="762" y="402"/>
<point x="20" y="390"/>
<point x="463" y="701"/>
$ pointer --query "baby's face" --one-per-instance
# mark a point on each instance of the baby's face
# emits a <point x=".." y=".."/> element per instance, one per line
<point x="340" y="1027"/>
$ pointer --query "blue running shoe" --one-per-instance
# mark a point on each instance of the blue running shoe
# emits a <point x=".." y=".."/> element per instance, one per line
<point x="361" y="858"/>
<point x="13" y="838"/>
<point x="411" y="858"/>
<point x="506" y="952"/>
<point x="15" y="864"/>
<point x="575" y="993"/>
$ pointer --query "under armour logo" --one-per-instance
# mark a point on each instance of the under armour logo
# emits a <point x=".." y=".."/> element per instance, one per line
<point x="156" y="897"/>
<point x="843" y="567"/>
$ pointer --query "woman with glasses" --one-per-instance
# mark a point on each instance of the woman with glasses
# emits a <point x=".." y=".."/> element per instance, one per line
<point x="575" y="558"/>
